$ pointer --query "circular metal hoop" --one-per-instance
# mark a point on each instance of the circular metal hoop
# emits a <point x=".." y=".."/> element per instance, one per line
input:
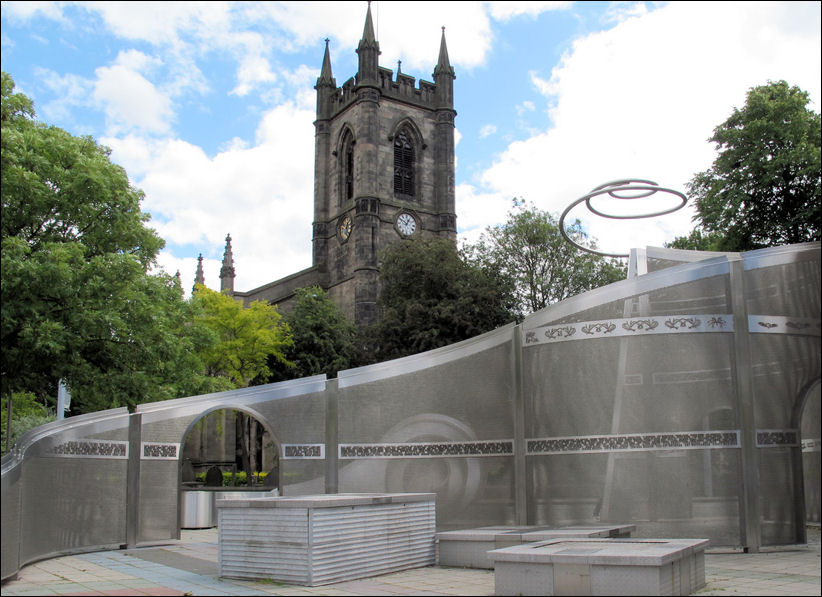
<point x="646" y="188"/>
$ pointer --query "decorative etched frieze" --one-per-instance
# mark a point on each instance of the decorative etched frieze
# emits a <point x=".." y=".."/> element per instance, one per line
<point x="774" y="324"/>
<point x="692" y="440"/>
<point x="160" y="451"/>
<point x="670" y="324"/>
<point x="639" y="325"/>
<point x="90" y="448"/>
<point x="812" y="445"/>
<point x="605" y="327"/>
<point x="428" y="449"/>
<point x="776" y="438"/>
<point x="683" y="323"/>
<point x="303" y="451"/>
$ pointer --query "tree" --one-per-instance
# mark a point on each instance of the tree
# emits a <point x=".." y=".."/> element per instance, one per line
<point x="764" y="186"/>
<point x="698" y="240"/>
<point x="324" y="339"/>
<point x="78" y="300"/>
<point x="245" y="338"/>
<point x="528" y="249"/>
<point x="431" y="297"/>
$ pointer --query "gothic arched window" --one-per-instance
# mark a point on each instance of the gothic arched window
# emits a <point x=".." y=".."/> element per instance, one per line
<point x="403" y="164"/>
<point x="347" y="168"/>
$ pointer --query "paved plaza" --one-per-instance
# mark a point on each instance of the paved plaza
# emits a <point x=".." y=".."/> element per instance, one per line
<point x="189" y="567"/>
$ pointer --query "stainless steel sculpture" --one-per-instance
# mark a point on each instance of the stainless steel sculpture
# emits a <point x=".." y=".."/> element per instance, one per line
<point x="677" y="400"/>
<point x="624" y="189"/>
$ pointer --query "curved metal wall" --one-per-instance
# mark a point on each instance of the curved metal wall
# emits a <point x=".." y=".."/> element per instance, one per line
<point x="668" y="400"/>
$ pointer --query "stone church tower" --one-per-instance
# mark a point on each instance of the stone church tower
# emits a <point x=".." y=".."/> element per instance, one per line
<point x="384" y="171"/>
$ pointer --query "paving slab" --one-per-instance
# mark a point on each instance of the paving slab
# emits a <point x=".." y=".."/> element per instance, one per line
<point x="790" y="570"/>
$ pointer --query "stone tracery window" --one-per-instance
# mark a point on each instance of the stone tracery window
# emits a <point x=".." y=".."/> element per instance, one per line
<point x="403" y="164"/>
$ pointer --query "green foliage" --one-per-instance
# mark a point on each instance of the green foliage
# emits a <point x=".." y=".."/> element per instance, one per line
<point x="529" y="251"/>
<point x="324" y="339"/>
<point x="27" y="413"/>
<point x="78" y="300"/>
<point x="431" y="297"/>
<point x="238" y="479"/>
<point x="698" y="240"/>
<point x="764" y="187"/>
<point x="244" y="338"/>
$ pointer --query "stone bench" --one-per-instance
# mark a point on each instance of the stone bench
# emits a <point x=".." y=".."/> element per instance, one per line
<point x="322" y="539"/>
<point x="601" y="567"/>
<point x="469" y="548"/>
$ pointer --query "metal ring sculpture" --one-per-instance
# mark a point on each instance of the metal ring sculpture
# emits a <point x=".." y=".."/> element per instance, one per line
<point x="637" y="189"/>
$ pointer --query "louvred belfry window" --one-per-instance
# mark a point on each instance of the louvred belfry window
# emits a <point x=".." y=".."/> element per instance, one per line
<point x="403" y="165"/>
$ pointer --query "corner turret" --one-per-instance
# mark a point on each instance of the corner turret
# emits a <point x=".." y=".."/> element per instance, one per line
<point x="369" y="55"/>
<point x="326" y="87"/>
<point x="444" y="77"/>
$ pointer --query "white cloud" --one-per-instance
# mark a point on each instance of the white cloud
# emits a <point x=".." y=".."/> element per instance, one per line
<point x="641" y="100"/>
<point x="487" y="130"/>
<point x="261" y="195"/>
<point x="130" y="100"/>
<point x="503" y="11"/>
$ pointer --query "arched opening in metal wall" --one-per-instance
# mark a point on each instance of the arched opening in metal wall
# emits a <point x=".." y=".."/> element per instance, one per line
<point x="808" y="424"/>
<point x="234" y="442"/>
<point x="225" y="450"/>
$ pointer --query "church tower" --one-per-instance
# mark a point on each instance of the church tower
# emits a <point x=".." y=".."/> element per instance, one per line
<point x="384" y="169"/>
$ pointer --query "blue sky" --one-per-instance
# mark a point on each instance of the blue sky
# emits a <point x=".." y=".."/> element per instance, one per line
<point x="209" y="106"/>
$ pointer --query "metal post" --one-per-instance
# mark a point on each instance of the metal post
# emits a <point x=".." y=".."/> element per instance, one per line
<point x="520" y="470"/>
<point x="749" y="511"/>
<point x="133" y="479"/>
<point x="332" y="475"/>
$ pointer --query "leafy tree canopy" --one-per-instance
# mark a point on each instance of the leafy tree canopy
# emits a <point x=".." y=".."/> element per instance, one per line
<point x="529" y="251"/>
<point x="431" y="297"/>
<point x="764" y="187"/>
<point x="324" y="339"/>
<point x="245" y="338"/>
<point x="78" y="300"/>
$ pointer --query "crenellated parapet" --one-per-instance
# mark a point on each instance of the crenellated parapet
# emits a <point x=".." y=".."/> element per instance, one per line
<point x="402" y="88"/>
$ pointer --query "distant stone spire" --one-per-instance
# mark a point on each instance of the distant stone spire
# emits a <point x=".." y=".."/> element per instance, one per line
<point x="199" y="277"/>
<point x="227" y="271"/>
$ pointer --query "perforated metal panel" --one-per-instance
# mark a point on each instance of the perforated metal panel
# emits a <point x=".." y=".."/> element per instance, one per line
<point x="675" y="400"/>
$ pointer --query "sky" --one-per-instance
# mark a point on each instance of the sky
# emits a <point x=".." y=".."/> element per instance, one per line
<point x="209" y="106"/>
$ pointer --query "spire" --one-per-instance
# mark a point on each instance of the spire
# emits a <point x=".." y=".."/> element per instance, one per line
<point x="368" y="31"/>
<point x="199" y="277"/>
<point x="443" y="64"/>
<point x="444" y="77"/>
<point x="369" y="53"/>
<point x="227" y="271"/>
<point x="325" y="74"/>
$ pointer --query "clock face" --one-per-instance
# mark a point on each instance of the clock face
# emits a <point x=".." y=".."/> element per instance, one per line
<point x="345" y="227"/>
<point x="406" y="224"/>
